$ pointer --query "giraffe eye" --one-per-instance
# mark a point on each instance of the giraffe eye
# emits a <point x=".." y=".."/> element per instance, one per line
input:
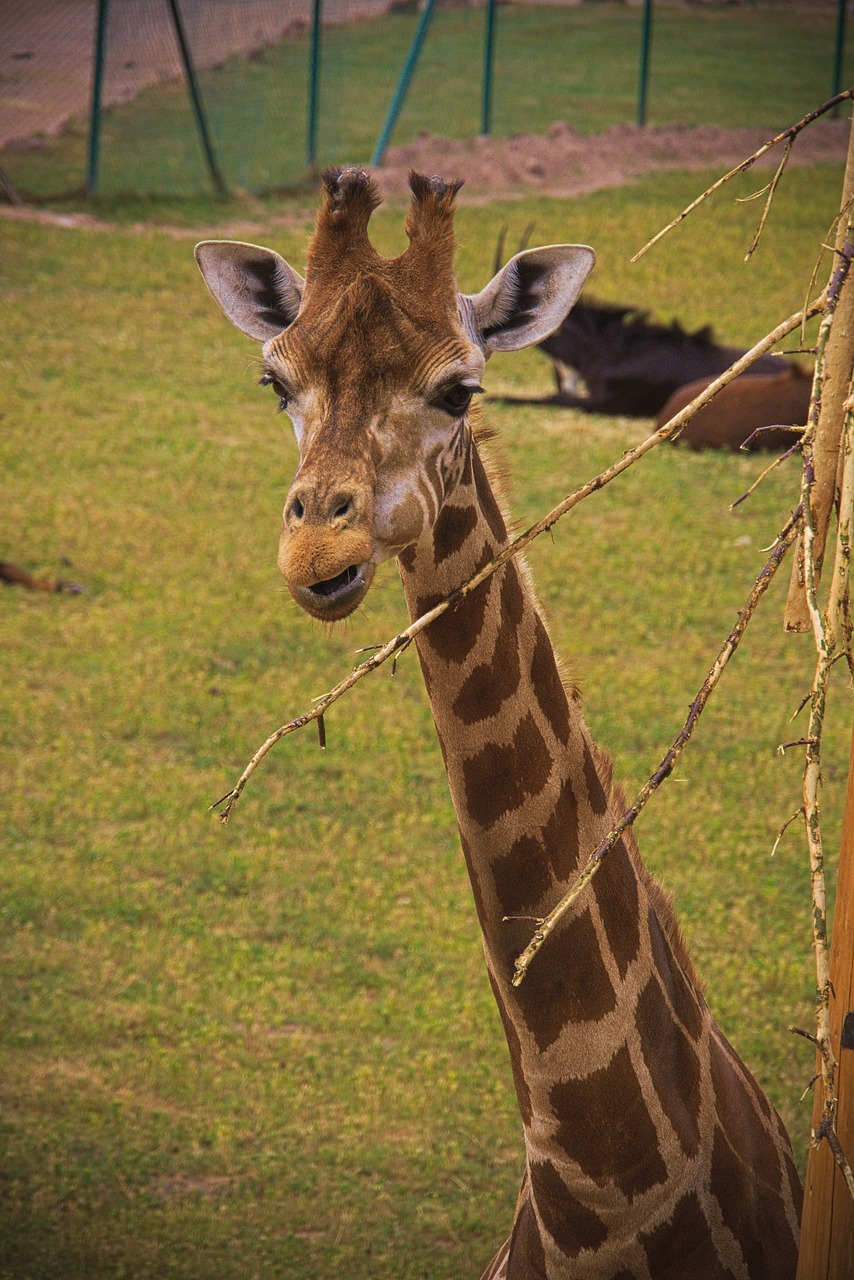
<point x="456" y="399"/>
<point x="280" y="389"/>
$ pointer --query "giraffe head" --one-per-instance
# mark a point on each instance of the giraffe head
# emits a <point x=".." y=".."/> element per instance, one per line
<point x="376" y="360"/>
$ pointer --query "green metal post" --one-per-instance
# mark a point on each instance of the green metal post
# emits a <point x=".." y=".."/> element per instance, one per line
<point x="97" y="85"/>
<point x="403" y="83"/>
<point x="839" y="55"/>
<point x="196" y="99"/>
<point x="646" y="41"/>
<point x="488" y="52"/>
<point x="313" y="85"/>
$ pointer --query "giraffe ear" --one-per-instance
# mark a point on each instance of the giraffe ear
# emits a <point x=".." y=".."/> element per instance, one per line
<point x="531" y="296"/>
<point x="257" y="290"/>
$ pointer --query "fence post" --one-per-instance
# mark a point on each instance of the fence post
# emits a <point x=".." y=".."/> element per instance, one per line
<point x="196" y="99"/>
<point x="313" y="85"/>
<point x="839" y="53"/>
<point x="488" y="49"/>
<point x="97" y="85"/>
<point x="643" y="78"/>
<point x="403" y="83"/>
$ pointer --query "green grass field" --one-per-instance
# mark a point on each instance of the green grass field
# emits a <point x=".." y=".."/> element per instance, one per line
<point x="270" y="1049"/>
<point x="728" y="66"/>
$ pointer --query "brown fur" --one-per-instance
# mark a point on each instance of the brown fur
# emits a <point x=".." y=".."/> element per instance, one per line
<point x="743" y="407"/>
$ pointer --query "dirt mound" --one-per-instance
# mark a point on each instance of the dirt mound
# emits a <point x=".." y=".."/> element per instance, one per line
<point x="563" y="162"/>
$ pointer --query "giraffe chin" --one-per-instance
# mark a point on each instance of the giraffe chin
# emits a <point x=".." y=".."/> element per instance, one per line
<point x="333" y="599"/>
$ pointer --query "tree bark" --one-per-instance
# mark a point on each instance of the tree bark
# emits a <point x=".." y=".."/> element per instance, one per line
<point x="839" y="357"/>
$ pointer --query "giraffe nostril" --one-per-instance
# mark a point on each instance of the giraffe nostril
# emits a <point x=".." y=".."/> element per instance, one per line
<point x="343" y="509"/>
<point x="297" y="509"/>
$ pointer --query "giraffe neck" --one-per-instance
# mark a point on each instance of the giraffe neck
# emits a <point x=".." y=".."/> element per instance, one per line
<point x="612" y="1047"/>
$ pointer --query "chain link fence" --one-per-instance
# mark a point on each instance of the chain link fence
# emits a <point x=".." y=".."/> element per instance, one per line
<point x="148" y="97"/>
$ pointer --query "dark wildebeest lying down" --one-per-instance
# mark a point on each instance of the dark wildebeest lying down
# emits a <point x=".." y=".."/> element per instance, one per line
<point x="741" y="408"/>
<point x="631" y="365"/>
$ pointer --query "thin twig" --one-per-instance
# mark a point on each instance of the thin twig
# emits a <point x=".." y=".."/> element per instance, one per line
<point x="787" y="134"/>
<point x="797" y="742"/>
<point x="832" y="1138"/>
<point x="594" y="862"/>
<point x="772" y="187"/>
<point x="757" y="482"/>
<point x="785" y="827"/>
<point x="807" y="1035"/>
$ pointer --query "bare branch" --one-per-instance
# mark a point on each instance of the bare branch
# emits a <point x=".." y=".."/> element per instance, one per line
<point x="785" y="827"/>
<point x="832" y="1138"/>
<point x="757" y="482"/>
<point x="772" y="187"/>
<point x="788" y="135"/>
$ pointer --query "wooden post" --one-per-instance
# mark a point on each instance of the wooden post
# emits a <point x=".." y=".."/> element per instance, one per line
<point x="827" y="1226"/>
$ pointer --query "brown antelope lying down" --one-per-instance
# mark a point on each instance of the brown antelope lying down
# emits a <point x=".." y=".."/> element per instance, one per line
<point x="14" y="576"/>
<point x="779" y="402"/>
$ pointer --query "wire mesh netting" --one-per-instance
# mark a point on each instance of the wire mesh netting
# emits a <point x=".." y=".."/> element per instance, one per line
<point x="260" y="94"/>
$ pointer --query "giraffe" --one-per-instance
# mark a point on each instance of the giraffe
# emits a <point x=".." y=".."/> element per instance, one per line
<point x="650" y="1150"/>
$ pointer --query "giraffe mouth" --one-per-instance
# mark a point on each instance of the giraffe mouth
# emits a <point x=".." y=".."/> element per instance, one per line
<point x="335" y="598"/>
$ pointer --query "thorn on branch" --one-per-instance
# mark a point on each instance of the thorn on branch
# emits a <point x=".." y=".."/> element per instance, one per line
<point x="811" y="1085"/>
<point x="796" y="742"/>
<point x="785" y="827"/>
<point x="803" y="702"/>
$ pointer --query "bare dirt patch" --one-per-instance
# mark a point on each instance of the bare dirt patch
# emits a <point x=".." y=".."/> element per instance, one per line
<point x="565" y="163"/>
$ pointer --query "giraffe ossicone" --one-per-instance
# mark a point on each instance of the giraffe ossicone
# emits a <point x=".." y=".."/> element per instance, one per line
<point x="650" y="1150"/>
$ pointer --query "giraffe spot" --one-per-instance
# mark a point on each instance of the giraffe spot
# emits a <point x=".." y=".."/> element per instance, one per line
<point x="615" y="888"/>
<point x="753" y="1212"/>
<point x="672" y="1064"/>
<point x="596" y="797"/>
<point x="623" y="1274"/>
<point x="560" y="834"/>
<point x="605" y="1127"/>
<point x="527" y="1255"/>
<point x="547" y="684"/>
<point x="512" y="597"/>
<point x="521" y="876"/>
<point x="457" y="631"/>
<point x="766" y="1167"/>
<point x="486" y="498"/>
<point x="514" y="1048"/>
<point x="683" y="999"/>
<point x="488" y="686"/>
<point x="498" y="778"/>
<point x="452" y="530"/>
<point x="683" y="1245"/>
<point x="407" y="558"/>
<point x="570" y="1223"/>
<point x="568" y="983"/>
